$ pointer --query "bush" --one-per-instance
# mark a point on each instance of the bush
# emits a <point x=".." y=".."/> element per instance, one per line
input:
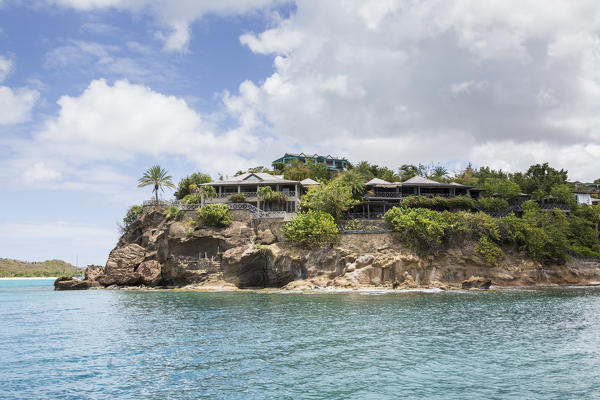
<point x="215" y="215"/>
<point x="461" y="203"/>
<point x="333" y="198"/>
<point x="492" y="204"/>
<point x="193" y="198"/>
<point x="438" y="202"/>
<point x="479" y="225"/>
<point x="489" y="250"/>
<point x="268" y="195"/>
<point x="132" y="215"/>
<point x="175" y="213"/>
<point x="311" y="228"/>
<point x="196" y="179"/>
<point x="421" y="228"/>
<point x="237" y="198"/>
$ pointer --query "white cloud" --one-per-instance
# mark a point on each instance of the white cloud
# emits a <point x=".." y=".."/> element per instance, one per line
<point x="16" y="104"/>
<point x="88" y="145"/>
<point x="400" y="81"/>
<point x="6" y="66"/>
<point x="39" y="172"/>
<point x="175" y="16"/>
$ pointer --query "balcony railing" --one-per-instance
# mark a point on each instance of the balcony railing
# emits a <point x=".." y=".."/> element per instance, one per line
<point x="250" y="195"/>
<point x="387" y="195"/>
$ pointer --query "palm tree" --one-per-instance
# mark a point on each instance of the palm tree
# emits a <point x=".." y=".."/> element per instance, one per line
<point x="157" y="177"/>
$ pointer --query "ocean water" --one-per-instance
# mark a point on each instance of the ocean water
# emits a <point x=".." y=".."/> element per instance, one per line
<point x="526" y="344"/>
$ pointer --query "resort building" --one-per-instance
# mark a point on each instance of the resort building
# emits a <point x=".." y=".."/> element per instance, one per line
<point x="333" y="163"/>
<point x="245" y="188"/>
<point x="382" y="195"/>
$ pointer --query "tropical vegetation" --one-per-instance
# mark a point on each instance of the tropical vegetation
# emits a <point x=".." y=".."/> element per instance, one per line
<point x="311" y="228"/>
<point x="158" y="178"/>
<point x="216" y="215"/>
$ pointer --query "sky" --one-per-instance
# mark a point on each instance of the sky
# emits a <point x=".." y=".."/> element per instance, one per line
<point x="93" y="92"/>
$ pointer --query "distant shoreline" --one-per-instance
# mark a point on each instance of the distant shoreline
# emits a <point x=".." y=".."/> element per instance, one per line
<point x="24" y="278"/>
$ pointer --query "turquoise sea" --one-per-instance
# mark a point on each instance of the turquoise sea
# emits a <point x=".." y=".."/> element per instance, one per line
<point x="519" y="344"/>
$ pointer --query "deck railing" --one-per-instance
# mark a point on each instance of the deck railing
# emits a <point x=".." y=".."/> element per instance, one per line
<point x="387" y="195"/>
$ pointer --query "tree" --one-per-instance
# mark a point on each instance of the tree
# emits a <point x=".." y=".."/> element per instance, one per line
<point x="333" y="198"/>
<point x="408" y="171"/>
<point x="319" y="172"/>
<point x="562" y="193"/>
<point x="311" y="228"/>
<point x="542" y="177"/>
<point x="296" y="170"/>
<point x="467" y="176"/>
<point x="197" y="178"/>
<point x="502" y="188"/>
<point x="364" y="169"/>
<point x="438" y="173"/>
<point x="355" y="181"/>
<point x="157" y="177"/>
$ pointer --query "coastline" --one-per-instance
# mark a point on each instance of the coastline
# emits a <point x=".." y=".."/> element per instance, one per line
<point x="373" y="290"/>
<point x="24" y="278"/>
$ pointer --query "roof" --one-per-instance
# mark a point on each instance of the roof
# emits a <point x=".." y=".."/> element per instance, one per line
<point x="377" y="181"/>
<point x="309" y="182"/>
<point x="419" y="180"/>
<point x="252" y="178"/>
<point x="328" y="156"/>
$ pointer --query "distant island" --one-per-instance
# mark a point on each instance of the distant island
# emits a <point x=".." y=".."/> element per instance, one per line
<point x="10" y="268"/>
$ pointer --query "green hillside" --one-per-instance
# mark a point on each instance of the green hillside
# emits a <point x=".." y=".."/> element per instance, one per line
<point x="14" y="268"/>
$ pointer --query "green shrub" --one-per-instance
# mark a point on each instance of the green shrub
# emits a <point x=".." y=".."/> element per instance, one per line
<point x="195" y="179"/>
<point x="461" y="203"/>
<point x="237" y="198"/>
<point x="420" y="228"/>
<point x="492" y="204"/>
<point x="489" y="250"/>
<point x="268" y="195"/>
<point x="215" y="215"/>
<point x="333" y="198"/>
<point x="311" y="228"/>
<point x="132" y="215"/>
<point x="479" y="225"/>
<point x="193" y="198"/>
<point x="438" y="202"/>
<point x="175" y="213"/>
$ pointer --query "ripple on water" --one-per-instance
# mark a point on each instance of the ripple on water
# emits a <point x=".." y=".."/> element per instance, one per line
<point x="116" y="344"/>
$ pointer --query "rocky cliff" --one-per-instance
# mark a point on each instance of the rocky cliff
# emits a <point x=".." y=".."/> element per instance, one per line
<point x="158" y="251"/>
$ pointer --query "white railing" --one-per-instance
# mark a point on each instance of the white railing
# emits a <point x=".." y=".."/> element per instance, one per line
<point x="256" y="213"/>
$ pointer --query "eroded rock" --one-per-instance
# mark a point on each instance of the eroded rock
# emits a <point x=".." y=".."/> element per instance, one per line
<point x="68" y="283"/>
<point x="150" y="273"/>
<point x="477" y="282"/>
<point x="93" y="272"/>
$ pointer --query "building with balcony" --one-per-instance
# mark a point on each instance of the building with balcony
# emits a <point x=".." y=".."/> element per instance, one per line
<point x="382" y="195"/>
<point x="246" y="188"/>
<point x="333" y="163"/>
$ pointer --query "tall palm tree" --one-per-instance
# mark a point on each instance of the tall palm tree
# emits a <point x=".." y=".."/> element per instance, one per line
<point x="157" y="177"/>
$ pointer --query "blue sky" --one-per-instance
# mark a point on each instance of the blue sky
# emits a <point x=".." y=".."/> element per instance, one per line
<point x="95" y="91"/>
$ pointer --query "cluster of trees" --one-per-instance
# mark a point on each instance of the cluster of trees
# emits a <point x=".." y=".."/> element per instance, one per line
<point x="545" y="236"/>
<point x="548" y="237"/>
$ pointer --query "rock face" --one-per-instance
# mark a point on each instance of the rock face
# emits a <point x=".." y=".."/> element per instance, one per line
<point x="477" y="282"/>
<point x="68" y="283"/>
<point x="158" y="251"/>
<point x="150" y="273"/>
<point x="92" y="272"/>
